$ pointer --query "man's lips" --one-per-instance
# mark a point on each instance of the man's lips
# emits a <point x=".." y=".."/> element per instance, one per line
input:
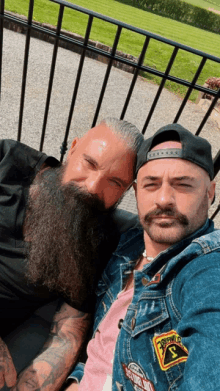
<point x="163" y="217"/>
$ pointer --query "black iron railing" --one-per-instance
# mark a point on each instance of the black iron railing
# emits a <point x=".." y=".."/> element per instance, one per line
<point x="85" y="46"/>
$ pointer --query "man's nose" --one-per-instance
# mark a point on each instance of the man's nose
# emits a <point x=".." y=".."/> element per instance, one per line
<point x="94" y="184"/>
<point x="165" y="196"/>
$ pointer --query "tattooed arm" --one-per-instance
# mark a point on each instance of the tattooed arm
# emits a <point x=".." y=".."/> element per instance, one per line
<point x="8" y="373"/>
<point x="49" y="369"/>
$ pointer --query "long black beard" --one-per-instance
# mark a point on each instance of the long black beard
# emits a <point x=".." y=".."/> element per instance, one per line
<point x="68" y="233"/>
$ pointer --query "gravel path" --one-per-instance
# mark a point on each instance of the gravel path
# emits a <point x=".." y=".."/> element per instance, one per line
<point x="90" y="86"/>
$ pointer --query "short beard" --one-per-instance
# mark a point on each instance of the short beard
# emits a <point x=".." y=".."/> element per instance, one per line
<point x="68" y="230"/>
<point x="170" y="233"/>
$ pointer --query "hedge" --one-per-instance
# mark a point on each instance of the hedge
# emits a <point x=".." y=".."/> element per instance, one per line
<point x="182" y="12"/>
<point x="213" y="2"/>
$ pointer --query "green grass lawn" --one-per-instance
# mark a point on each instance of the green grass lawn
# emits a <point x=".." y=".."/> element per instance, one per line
<point x="158" y="54"/>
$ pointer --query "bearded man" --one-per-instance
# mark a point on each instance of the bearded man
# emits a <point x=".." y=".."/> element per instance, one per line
<point x="157" y="319"/>
<point x="57" y="233"/>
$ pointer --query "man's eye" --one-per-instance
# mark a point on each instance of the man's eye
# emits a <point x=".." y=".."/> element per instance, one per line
<point x="184" y="185"/>
<point x="115" y="183"/>
<point x="149" y="185"/>
<point x="90" y="163"/>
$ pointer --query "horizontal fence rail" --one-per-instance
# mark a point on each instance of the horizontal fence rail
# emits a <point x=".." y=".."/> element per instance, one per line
<point x="85" y="46"/>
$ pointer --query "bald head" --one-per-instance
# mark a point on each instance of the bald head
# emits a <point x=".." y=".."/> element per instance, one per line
<point x="102" y="162"/>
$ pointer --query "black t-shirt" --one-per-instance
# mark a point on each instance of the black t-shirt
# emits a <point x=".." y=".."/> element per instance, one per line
<point x="19" y="164"/>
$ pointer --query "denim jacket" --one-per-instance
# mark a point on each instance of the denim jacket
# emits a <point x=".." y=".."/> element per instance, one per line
<point x="170" y="336"/>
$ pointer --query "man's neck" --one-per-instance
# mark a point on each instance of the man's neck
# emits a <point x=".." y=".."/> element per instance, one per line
<point x="153" y="248"/>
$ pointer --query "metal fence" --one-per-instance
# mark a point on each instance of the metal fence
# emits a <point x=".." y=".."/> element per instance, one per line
<point x="84" y="47"/>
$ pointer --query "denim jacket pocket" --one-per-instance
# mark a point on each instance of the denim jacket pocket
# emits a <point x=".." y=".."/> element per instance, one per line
<point x="105" y="296"/>
<point x="149" y="312"/>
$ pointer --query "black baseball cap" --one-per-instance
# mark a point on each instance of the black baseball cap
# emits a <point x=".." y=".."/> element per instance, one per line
<point x="194" y="148"/>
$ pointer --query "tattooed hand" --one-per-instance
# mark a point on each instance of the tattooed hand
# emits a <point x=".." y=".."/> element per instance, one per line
<point x="49" y="370"/>
<point x="8" y="373"/>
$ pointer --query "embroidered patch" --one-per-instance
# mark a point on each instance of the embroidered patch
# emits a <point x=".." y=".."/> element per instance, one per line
<point x="137" y="377"/>
<point x="169" y="349"/>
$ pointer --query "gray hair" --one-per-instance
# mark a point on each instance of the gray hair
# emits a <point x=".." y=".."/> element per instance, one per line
<point x="126" y="131"/>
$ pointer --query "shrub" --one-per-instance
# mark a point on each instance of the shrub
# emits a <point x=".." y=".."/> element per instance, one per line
<point x="182" y="12"/>
<point x="213" y="82"/>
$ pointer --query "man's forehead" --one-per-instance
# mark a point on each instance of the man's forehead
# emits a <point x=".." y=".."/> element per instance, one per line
<point x="167" y="145"/>
<point x="102" y="138"/>
<point x="178" y="167"/>
<point x="100" y="144"/>
<point x="174" y="167"/>
<point x="105" y="145"/>
<point x="99" y="132"/>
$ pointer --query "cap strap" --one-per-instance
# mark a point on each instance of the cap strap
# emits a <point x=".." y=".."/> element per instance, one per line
<point x="165" y="153"/>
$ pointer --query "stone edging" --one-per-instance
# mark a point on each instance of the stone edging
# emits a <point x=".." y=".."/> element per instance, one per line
<point x="12" y="25"/>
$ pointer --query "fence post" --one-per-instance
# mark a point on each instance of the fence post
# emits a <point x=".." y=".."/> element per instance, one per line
<point x="2" y="6"/>
<point x="26" y="56"/>
<point x="52" y="70"/>
<point x="75" y="91"/>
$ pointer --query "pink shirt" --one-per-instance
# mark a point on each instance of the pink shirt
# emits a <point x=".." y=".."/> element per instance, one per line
<point x="98" y="368"/>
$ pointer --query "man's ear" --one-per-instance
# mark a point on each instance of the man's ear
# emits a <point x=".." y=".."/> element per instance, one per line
<point x="135" y="188"/>
<point x="211" y="193"/>
<point x="73" y="147"/>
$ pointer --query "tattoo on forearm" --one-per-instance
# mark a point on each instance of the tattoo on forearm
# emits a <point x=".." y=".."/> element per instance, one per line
<point x="7" y="370"/>
<point x="60" y="352"/>
<point x="5" y="357"/>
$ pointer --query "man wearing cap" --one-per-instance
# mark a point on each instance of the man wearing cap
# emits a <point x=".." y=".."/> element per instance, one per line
<point x="157" y="321"/>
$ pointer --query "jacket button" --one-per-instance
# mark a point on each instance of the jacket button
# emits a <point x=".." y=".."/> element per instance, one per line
<point x="104" y="305"/>
<point x="144" y="280"/>
<point x="133" y="321"/>
<point x="120" y="323"/>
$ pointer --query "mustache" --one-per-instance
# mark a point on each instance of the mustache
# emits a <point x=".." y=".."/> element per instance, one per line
<point x="169" y="212"/>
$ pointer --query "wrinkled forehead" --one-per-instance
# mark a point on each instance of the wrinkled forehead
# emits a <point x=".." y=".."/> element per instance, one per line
<point x="171" y="166"/>
<point x="167" y="162"/>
